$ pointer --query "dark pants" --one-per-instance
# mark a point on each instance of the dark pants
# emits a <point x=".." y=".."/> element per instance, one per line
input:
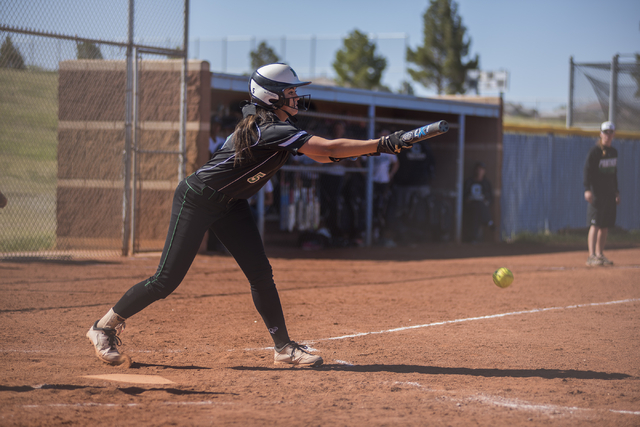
<point x="331" y="187"/>
<point x="479" y="217"/>
<point x="197" y="208"/>
<point x="602" y="212"/>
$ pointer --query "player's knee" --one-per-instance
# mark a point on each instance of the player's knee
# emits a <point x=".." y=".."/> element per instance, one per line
<point x="158" y="290"/>
<point x="262" y="282"/>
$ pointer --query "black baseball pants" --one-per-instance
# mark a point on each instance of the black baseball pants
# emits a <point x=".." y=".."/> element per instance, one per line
<point x="197" y="208"/>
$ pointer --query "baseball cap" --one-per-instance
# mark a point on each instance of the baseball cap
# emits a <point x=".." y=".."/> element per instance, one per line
<point x="607" y="126"/>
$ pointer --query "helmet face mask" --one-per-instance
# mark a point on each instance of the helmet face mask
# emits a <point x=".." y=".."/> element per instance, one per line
<point x="268" y="84"/>
<point x="302" y="102"/>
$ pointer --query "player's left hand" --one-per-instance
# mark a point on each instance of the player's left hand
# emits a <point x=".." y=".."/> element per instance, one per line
<point x="393" y="144"/>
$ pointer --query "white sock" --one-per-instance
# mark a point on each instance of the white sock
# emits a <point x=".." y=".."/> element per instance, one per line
<point x="110" y="320"/>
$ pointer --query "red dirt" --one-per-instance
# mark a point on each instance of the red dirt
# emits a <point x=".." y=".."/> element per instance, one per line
<point x="574" y="363"/>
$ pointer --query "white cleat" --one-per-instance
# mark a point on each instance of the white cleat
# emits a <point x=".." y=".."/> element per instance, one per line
<point x="106" y="342"/>
<point x="296" y="354"/>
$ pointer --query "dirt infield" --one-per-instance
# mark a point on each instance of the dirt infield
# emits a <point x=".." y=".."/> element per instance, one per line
<point x="410" y="336"/>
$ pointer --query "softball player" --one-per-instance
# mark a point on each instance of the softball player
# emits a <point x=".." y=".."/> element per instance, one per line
<point x="601" y="192"/>
<point x="215" y="197"/>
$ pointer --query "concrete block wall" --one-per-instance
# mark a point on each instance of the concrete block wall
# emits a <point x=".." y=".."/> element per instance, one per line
<point x="91" y="143"/>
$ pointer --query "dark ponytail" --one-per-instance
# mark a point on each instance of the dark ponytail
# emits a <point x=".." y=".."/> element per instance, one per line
<point x="246" y="133"/>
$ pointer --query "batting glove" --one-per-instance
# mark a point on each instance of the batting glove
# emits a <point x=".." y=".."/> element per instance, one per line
<point x="393" y="144"/>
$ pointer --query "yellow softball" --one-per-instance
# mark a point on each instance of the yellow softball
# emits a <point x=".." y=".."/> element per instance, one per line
<point x="503" y="277"/>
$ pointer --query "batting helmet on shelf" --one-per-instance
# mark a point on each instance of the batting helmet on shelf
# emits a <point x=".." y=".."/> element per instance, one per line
<point x="268" y="83"/>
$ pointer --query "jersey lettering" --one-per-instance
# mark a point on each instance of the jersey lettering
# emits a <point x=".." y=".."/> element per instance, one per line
<point x="256" y="178"/>
<point x="608" y="165"/>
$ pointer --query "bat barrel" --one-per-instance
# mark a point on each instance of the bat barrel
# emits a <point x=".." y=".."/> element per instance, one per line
<point x="426" y="132"/>
<point x="438" y="127"/>
<point x="443" y="126"/>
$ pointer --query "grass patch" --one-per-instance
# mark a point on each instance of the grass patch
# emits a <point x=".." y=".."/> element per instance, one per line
<point x="576" y="236"/>
<point x="28" y="159"/>
<point x="29" y="113"/>
<point x="42" y="242"/>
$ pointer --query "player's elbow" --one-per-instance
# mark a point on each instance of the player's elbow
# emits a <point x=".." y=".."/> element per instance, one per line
<point x="320" y="147"/>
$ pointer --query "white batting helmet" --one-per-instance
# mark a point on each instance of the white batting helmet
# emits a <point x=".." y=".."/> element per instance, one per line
<point x="268" y="83"/>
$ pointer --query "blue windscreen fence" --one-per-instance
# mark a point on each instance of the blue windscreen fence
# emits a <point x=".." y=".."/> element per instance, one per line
<point x="542" y="179"/>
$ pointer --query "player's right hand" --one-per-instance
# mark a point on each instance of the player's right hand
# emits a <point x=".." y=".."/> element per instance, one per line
<point x="393" y="144"/>
<point x="588" y="196"/>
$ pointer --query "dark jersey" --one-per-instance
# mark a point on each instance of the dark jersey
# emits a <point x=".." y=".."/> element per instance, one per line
<point x="478" y="191"/>
<point x="600" y="172"/>
<point x="276" y="142"/>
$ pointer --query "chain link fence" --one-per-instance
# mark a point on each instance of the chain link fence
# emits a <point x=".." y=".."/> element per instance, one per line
<point x="67" y="124"/>
<point x="311" y="56"/>
<point x="605" y="91"/>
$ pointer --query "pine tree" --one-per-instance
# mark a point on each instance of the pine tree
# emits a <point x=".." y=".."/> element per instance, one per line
<point x="439" y="62"/>
<point x="357" y="64"/>
<point x="88" y="50"/>
<point x="406" y="88"/>
<point x="263" y="55"/>
<point x="10" y="57"/>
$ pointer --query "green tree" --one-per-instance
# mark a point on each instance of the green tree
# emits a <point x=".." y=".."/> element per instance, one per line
<point x="10" y="57"/>
<point x="263" y="55"/>
<point x="88" y="50"/>
<point x="406" y="88"/>
<point x="439" y="62"/>
<point x="357" y="64"/>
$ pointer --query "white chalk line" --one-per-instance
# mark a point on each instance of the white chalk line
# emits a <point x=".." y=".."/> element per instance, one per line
<point x="516" y="403"/>
<point x="493" y="400"/>
<point x="403" y="328"/>
<point x="469" y="319"/>
<point x="449" y="322"/>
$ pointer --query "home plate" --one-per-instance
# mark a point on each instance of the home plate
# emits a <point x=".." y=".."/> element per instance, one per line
<point x="131" y="378"/>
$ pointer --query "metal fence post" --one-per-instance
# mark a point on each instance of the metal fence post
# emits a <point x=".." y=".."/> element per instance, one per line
<point x="613" y="89"/>
<point x="369" y="188"/>
<point x="183" y="98"/>
<point x="570" y="100"/>
<point x="126" y="197"/>
<point x="133" y="158"/>
<point x="460" y="177"/>
<point x="312" y="50"/>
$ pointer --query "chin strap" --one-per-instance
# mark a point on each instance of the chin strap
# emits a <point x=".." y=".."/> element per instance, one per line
<point x="292" y="119"/>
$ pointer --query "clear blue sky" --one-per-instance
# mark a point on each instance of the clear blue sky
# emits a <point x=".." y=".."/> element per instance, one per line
<point x="532" y="40"/>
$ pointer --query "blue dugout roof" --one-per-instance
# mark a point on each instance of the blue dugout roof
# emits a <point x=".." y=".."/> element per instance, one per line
<point x="237" y="83"/>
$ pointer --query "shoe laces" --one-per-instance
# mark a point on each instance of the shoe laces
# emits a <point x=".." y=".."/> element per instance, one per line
<point x="295" y="346"/>
<point x="112" y="335"/>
